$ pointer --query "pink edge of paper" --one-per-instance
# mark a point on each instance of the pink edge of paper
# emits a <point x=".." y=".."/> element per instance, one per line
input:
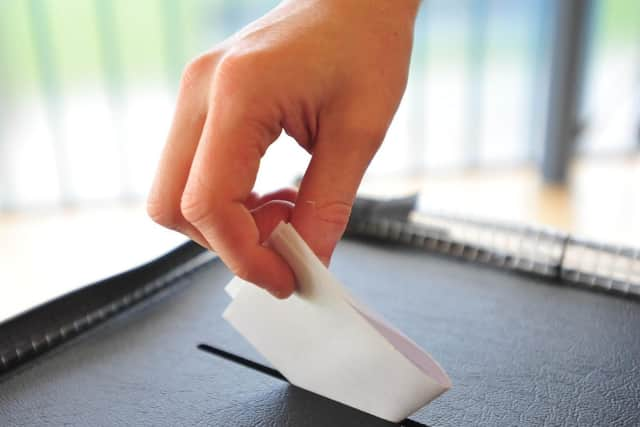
<point x="408" y="349"/>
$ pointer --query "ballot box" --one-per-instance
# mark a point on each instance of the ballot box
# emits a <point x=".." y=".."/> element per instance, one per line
<point x="529" y="327"/>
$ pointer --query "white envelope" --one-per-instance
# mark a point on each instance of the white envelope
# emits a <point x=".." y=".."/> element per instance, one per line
<point x="324" y="341"/>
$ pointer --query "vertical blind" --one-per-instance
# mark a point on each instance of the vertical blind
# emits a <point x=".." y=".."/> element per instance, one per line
<point x="87" y="90"/>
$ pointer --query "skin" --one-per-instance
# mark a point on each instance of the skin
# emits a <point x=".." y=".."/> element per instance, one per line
<point x="331" y="74"/>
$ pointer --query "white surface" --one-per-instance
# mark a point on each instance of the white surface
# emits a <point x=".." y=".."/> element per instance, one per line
<point x="324" y="341"/>
<point x="43" y="257"/>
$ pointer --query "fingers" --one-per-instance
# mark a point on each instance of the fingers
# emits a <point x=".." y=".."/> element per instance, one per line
<point x="219" y="187"/>
<point x="202" y="186"/>
<point x="329" y="186"/>
<point x="163" y="203"/>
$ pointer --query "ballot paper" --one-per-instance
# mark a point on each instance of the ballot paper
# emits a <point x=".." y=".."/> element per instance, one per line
<point x="323" y="340"/>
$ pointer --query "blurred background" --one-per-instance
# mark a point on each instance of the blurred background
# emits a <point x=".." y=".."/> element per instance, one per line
<point x="522" y="111"/>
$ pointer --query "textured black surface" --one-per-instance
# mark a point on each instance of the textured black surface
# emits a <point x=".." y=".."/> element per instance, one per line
<point x="42" y="328"/>
<point x="518" y="350"/>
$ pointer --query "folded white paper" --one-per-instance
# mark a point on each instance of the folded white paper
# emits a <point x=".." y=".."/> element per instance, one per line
<point x="324" y="341"/>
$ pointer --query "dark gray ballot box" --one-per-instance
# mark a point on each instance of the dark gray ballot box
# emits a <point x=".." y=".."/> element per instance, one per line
<point x="149" y="347"/>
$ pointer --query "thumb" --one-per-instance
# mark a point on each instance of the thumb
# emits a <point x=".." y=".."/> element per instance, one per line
<point x="328" y="188"/>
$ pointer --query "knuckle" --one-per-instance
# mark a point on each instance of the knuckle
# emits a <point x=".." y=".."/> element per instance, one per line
<point x="233" y="68"/>
<point x="163" y="213"/>
<point x="193" y="207"/>
<point x="196" y="69"/>
<point x="235" y="61"/>
<point x="335" y="213"/>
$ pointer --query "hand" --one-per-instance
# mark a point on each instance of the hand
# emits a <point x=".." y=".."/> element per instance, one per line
<point x="331" y="73"/>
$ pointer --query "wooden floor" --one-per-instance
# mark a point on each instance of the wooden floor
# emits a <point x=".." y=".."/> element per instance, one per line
<point x="600" y="202"/>
<point x="43" y="255"/>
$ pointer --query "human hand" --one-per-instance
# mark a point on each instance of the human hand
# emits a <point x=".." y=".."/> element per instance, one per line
<point x="331" y="74"/>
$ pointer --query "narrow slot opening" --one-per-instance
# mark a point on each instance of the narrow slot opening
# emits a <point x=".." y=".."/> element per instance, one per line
<point x="242" y="361"/>
<point x="272" y="372"/>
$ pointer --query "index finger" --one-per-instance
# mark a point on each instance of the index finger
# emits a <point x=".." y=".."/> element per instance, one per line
<point x="220" y="181"/>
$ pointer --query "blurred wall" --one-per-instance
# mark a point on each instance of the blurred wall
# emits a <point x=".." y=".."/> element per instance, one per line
<point x="87" y="90"/>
